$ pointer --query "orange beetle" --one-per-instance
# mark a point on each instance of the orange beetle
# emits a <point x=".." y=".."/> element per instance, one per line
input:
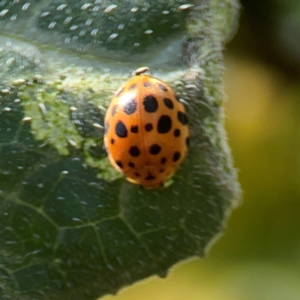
<point x="146" y="131"/>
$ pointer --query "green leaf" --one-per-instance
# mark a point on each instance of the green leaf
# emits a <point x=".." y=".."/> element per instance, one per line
<point x="71" y="227"/>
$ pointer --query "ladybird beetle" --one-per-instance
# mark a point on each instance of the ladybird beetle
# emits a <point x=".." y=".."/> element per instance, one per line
<point x="146" y="130"/>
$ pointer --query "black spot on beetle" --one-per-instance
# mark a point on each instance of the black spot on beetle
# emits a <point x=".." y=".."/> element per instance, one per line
<point x="164" y="124"/>
<point x="130" y="107"/>
<point x="134" y="129"/>
<point x="177" y="132"/>
<point x="163" y="160"/>
<point x="134" y="151"/>
<point x="131" y="164"/>
<point x="137" y="174"/>
<point x="154" y="149"/>
<point x="150" y="177"/>
<point x="119" y="163"/>
<point x="176" y="156"/>
<point x="169" y="103"/>
<point x="182" y="118"/>
<point x="148" y="127"/>
<point x="150" y="104"/>
<point x="121" y="130"/>
<point x="112" y="141"/>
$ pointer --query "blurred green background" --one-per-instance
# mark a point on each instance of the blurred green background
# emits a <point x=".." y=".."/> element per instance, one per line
<point x="258" y="257"/>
